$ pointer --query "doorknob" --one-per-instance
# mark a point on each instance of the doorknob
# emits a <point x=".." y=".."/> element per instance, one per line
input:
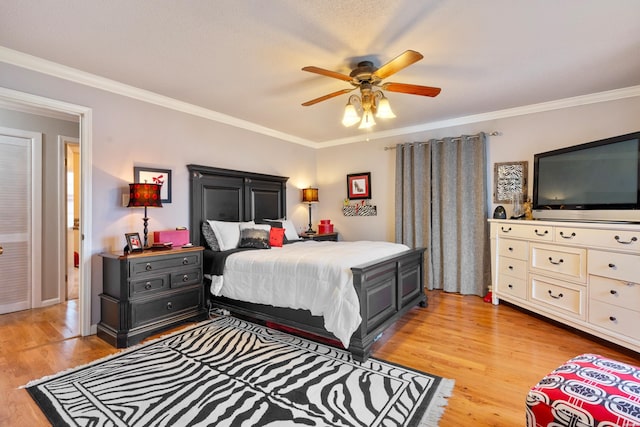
<point x="1" y="250"/>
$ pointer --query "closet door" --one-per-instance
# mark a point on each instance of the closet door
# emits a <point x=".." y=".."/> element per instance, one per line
<point x="20" y="219"/>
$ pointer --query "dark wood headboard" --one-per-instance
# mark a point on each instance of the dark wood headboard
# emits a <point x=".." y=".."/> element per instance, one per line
<point x="231" y="195"/>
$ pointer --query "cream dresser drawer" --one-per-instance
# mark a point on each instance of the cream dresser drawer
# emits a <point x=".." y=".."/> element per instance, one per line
<point x="559" y="296"/>
<point x="615" y="239"/>
<point x="616" y="292"/>
<point x="616" y="319"/>
<point x="560" y="261"/>
<point x="526" y="231"/>
<point x="513" y="267"/>
<point x="518" y="249"/>
<point x="615" y="265"/>
<point x="512" y="286"/>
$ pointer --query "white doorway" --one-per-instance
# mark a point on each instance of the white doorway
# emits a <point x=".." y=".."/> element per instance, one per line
<point x="70" y="237"/>
<point x="20" y="219"/>
<point x="25" y="102"/>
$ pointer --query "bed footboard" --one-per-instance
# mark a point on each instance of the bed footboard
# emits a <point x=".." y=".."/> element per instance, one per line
<point x="386" y="289"/>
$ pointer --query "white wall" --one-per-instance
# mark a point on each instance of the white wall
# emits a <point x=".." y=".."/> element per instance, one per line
<point x="521" y="137"/>
<point x="127" y="132"/>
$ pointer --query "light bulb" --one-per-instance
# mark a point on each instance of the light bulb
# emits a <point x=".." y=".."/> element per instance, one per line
<point x="350" y="117"/>
<point x="367" y="120"/>
<point x="384" y="109"/>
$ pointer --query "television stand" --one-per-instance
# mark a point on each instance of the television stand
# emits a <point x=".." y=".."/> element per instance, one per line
<point x="583" y="274"/>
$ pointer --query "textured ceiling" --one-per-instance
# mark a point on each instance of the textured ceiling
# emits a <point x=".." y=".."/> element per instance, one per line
<point x="243" y="58"/>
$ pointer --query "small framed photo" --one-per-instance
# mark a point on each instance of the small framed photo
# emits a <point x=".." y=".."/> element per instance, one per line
<point x="359" y="186"/>
<point x="134" y="242"/>
<point x="155" y="176"/>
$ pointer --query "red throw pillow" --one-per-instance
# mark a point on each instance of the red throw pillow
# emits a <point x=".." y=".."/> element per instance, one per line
<point x="276" y="236"/>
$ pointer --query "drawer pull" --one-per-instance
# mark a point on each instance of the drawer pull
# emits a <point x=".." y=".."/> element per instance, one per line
<point x="628" y="242"/>
<point x="510" y="267"/>
<point x="560" y="261"/>
<point x="540" y="234"/>
<point x="185" y="278"/>
<point x="555" y="296"/>
<point x="510" y="286"/>
<point x="169" y="305"/>
<point x="185" y="261"/>
<point x="571" y="236"/>
<point x="613" y="319"/>
<point x="510" y="249"/>
<point x="148" y="267"/>
<point x="613" y="292"/>
<point x="147" y="285"/>
<point x="505" y="231"/>
<point x="612" y="266"/>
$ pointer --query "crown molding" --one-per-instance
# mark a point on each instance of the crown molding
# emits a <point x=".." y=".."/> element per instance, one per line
<point x="54" y="69"/>
<point x="576" y="101"/>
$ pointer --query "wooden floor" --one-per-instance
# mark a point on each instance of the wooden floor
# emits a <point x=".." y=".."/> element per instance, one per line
<point x="494" y="353"/>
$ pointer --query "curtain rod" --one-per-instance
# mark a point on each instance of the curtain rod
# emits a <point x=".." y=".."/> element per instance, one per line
<point x="494" y="133"/>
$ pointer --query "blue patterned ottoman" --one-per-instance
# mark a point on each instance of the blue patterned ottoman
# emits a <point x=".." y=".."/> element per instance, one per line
<point x="587" y="391"/>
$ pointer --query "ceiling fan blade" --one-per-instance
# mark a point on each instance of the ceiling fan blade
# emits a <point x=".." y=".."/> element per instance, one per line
<point x="401" y="61"/>
<point x="325" y="97"/>
<point x="328" y="73"/>
<point x="411" y="89"/>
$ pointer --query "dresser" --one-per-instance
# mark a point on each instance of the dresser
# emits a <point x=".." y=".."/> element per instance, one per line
<point x="585" y="275"/>
<point x="146" y="292"/>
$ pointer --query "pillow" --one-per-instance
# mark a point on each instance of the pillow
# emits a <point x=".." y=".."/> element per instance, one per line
<point x="289" y="229"/>
<point x="227" y="233"/>
<point x="276" y="236"/>
<point x="210" y="237"/>
<point x="254" y="236"/>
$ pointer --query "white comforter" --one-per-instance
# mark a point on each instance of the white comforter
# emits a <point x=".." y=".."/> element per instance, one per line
<point x="310" y="275"/>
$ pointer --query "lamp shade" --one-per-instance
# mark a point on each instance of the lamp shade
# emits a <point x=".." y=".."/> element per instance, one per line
<point x="144" y="195"/>
<point x="310" y="195"/>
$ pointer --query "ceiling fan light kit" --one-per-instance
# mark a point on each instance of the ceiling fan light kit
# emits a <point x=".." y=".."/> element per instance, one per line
<point x="368" y="78"/>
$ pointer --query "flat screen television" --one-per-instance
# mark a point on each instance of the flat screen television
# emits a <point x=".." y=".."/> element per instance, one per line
<point x="595" y="181"/>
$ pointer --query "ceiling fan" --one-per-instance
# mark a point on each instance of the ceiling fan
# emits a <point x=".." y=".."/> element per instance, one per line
<point x="368" y="79"/>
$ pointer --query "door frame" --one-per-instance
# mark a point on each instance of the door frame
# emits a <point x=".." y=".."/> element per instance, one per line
<point x="63" y="252"/>
<point x="9" y="98"/>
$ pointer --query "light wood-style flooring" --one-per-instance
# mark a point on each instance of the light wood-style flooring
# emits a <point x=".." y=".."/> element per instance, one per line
<point x="494" y="353"/>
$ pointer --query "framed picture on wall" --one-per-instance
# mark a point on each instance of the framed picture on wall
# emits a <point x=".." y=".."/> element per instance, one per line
<point x="155" y="176"/>
<point x="359" y="186"/>
<point x="509" y="178"/>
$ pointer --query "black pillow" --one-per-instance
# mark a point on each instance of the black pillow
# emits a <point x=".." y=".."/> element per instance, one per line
<point x="210" y="237"/>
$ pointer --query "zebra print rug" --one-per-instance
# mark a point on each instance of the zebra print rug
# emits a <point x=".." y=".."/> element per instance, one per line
<point x="229" y="372"/>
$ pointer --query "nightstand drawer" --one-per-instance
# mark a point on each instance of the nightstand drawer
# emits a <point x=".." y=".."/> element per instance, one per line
<point x="149" y="285"/>
<point x="152" y="310"/>
<point x="150" y="265"/>
<point x="526" y="231"/>
<point x="185" y="278"/>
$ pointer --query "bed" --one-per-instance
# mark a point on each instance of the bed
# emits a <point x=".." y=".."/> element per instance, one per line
<point x="386" y="288"/>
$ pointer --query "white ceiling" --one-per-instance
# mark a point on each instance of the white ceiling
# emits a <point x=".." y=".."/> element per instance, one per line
<point x="243" y="58"/>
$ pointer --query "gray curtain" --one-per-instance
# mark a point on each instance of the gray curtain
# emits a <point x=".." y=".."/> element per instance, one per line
<point x="441" y="204"/>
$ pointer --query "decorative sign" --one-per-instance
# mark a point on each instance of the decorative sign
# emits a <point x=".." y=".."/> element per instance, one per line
<point x="509" y="178"/>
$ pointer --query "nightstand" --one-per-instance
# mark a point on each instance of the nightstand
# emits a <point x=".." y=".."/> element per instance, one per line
<point x="149" y="291"/>
<point x="325" y="236"/>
